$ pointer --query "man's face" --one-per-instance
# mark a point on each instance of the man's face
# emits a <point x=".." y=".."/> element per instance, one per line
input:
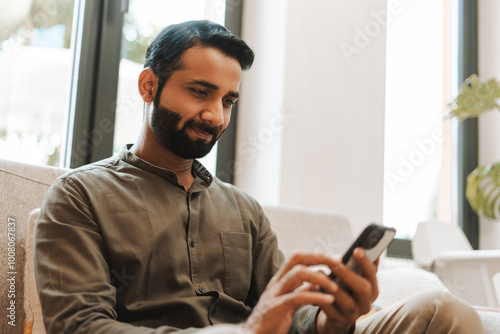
<point x="195" y="104"/>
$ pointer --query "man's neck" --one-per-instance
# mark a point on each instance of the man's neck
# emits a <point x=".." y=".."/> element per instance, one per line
<point x="160" y="156"/>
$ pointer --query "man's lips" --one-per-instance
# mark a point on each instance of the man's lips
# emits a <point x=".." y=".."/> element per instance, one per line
<point x="202" y="134"/>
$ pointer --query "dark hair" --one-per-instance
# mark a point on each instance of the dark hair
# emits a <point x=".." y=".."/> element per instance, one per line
<point x="164" y="54"/>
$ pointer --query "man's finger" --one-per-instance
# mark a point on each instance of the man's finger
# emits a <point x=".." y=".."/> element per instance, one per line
<point x="306" y="259"/>
<point x="297" y="299"/>
<point x="301" y="274"/>
<point x="368" y="269"/>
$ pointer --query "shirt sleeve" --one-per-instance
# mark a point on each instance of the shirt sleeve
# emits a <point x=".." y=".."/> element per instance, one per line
<point x="304" y="320"/>
<point x="72" y="271"/>
<point x="266" y="259"/>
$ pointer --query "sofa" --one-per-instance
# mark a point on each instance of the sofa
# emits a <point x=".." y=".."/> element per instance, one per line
<point x="23" y="187"/>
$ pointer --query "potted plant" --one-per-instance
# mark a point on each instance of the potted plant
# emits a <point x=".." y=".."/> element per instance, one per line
<point x="483" y="183"/>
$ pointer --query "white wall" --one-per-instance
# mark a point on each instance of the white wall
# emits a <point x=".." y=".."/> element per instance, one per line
<point x="489" y="123"/>
<point x="329" y="144"/>
<point x="260" y="119"/>
<point x="326" y="149"/>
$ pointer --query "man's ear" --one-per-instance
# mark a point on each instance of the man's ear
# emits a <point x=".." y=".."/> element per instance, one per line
<point x="148" y="85"/>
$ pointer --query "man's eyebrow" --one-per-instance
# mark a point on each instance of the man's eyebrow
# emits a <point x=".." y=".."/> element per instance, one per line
<point x="213" y="86"/>
<point x="204" y="84"/>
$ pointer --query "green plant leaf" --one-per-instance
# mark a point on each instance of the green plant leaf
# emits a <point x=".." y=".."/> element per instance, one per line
<point x="475" y="97"/>
<point x="483" y="190"/>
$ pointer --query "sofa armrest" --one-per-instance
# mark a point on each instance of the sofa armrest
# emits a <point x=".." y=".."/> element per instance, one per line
<point x="469" y="275"/>
<point x="32" y="307"/>
<point x="23" y="189"/>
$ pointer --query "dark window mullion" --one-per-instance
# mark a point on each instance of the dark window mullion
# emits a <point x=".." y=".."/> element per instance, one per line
<point x="467" y="153"/>
<point x="94" y="89"/>
<point x="89" y="15"/>
<point x="106" y="90"/>
<point x="226" y="148"/>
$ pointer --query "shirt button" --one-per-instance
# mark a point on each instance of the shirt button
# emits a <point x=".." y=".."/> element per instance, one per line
<point x="213" y="312"/>
<point x="202" y="290"/>
<point x="192" y="243"/>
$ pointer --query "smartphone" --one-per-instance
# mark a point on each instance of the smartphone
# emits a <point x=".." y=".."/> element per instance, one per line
<point x="374" y="240"/>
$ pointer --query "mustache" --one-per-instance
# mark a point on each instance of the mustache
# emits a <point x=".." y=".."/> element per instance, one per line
<point x="212" y="130"/>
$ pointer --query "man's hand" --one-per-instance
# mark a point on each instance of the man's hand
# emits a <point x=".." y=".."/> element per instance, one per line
<point x="342" y="314"/>
<point x="294" y="285"/>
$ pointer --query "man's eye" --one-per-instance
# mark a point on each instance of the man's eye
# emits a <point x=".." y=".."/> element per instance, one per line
<point x="229" y="102"/>
<point x="199" y="92"/>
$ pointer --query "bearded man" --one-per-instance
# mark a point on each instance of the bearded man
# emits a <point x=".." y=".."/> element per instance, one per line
<point x="150" y="242"/>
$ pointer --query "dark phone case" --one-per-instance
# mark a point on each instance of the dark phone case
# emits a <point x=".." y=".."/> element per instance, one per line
<point x="369" y="240"/>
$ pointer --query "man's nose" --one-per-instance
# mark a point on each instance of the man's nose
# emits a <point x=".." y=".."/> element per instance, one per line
<point x="214" y="113"/>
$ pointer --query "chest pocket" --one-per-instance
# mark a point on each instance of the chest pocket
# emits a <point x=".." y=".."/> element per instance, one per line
<point x="237" y="252"/>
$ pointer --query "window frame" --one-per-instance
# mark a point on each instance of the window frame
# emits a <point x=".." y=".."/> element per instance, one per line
<point x="226" y="147"/>
<point x="467" y="131"/>
<point x="468" y="142"/>
<point x="97" y="36"/>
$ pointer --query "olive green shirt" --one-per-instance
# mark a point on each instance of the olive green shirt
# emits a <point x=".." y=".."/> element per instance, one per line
<point x="121" y="247"/>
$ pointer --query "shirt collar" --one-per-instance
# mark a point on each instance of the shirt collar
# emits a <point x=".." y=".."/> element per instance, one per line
<point x="203" y="178"/>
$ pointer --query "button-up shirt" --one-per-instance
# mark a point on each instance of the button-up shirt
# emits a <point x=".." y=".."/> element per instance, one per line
<point x="122" y="247"/>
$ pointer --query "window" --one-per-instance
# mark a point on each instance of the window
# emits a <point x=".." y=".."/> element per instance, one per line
<point x="420" y="140"/>
<point x="35" y="71"/>
<point x="69" y="71"/>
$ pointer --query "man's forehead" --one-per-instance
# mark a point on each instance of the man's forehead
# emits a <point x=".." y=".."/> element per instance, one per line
<point x="200" y="57"/>
<point x="211" y="68"/>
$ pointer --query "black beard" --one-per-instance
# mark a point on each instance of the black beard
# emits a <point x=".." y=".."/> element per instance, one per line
<point x="165" y="125"/>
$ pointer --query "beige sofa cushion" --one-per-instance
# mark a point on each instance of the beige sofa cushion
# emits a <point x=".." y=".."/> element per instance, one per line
<point x="311" y="230"/>
<point x="23" y="188"/>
